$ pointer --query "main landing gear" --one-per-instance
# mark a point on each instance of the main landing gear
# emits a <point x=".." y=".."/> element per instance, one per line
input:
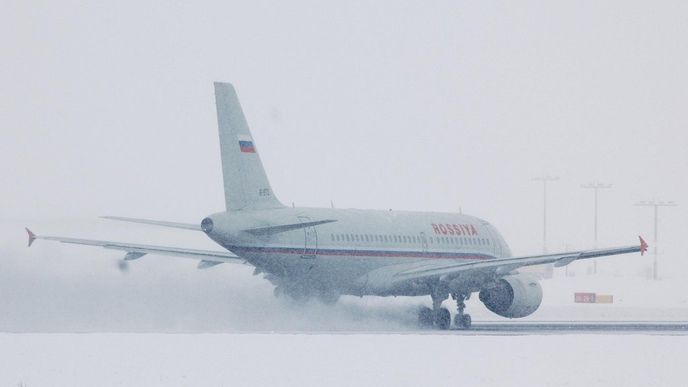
<point x="461" y="320"/>
<point x="440" y="318"/>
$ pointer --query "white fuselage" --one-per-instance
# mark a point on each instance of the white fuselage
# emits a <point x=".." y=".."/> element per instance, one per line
<point x="337" y="256"/>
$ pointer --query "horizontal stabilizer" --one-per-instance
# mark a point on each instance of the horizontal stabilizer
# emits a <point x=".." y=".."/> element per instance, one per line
<point x="271" y="230"/>
<point x="187" y="226"/>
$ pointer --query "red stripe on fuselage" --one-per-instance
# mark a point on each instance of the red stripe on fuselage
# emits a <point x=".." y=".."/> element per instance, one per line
<point x="366" y="253"/>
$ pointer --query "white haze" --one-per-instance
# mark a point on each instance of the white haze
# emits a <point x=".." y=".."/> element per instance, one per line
<point x="107" y="109"/>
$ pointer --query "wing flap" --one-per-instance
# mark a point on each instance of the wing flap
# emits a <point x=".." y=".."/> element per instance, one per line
<point x="271" y="230"/>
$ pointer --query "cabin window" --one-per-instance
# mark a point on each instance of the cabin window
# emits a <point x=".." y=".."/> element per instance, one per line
<point x="347" y="238"/>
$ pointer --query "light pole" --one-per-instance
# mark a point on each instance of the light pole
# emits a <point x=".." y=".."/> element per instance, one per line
<point x="595" y="186"/>
<point x="655" y="204"/>
<point x="545" y="179"/>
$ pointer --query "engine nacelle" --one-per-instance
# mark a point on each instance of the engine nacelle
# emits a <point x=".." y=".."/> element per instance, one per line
<point x="513" y="296"/>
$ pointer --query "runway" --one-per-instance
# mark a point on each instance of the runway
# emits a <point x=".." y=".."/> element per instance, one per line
<point x="577" y="327"/>
<point x="499" y="328"/>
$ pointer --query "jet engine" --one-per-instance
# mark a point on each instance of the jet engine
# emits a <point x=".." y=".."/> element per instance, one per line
<point x="513" y="296"/>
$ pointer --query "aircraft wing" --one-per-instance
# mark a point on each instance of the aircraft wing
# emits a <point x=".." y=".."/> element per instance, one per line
<point x="493" y="267"/>
<point x="135" y="251"/>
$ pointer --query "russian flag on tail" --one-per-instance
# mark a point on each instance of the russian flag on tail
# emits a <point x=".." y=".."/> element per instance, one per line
<point x="246" y="144"/>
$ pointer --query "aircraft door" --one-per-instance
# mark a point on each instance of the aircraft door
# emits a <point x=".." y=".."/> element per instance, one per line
<point x="310" y="236"/>
<point x="424" y="242"/>
<point x="494" y="241"/>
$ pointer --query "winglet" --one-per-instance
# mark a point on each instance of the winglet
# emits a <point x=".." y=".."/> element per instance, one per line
<point x="32" y="236"/>
<point x="643" y="245"/>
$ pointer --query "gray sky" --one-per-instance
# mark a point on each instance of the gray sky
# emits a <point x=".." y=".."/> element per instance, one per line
<point x="108" y="109"/>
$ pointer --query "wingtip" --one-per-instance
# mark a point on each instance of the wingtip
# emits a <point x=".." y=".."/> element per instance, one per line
<point x="32" y="236"/>
<point x="643" y="245"/>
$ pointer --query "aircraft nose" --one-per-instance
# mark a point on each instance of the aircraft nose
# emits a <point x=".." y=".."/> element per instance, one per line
<point x="207" y="225"/>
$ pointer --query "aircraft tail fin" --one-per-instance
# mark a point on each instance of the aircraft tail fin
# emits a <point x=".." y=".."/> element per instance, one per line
<point x="246" y="184"/>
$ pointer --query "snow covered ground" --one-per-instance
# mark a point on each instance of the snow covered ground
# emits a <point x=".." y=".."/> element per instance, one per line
<point x="340" y="360"/>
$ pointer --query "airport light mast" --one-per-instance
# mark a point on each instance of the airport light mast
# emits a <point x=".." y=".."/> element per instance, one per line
<point x="595" y="186"/>
<point x="655" y="204"/>
<point x="545" y="179"/>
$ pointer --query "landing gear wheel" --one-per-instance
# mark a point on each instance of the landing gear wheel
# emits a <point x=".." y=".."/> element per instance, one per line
<point x="462" y="321"/>
<point x="425" y="319"/>
<point x="442" y="319"/>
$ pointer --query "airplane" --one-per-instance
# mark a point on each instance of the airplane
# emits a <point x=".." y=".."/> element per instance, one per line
<point x="324" y="253"/>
